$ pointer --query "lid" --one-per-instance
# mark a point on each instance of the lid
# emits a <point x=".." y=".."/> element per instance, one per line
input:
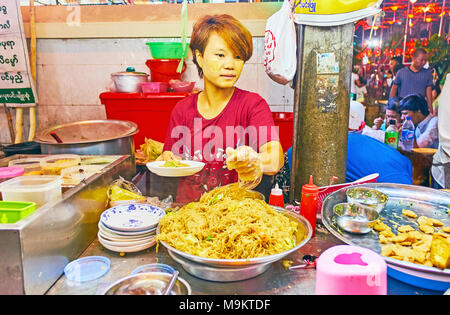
<point x="408" y="117"/>
<point x="11" y="171"/>
<point x="87" y="268"/>
<point x="276" y="191"/>
<point x="88" y="131"/>
<point x="310" y="188"/>
<point x="392" y="122"/>
<point x="130" y="71"/>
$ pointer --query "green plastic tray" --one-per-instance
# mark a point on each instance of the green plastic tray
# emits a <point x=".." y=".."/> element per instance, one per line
<point x="13" y="211"/>
<point x="167" y="50"/>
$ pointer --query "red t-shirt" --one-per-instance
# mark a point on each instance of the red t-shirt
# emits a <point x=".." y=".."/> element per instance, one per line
<point x="245" y="120"/>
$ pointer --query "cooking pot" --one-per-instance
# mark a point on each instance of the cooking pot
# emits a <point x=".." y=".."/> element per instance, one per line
<point x="90" y="137"/>
<point x="129" y="81"/>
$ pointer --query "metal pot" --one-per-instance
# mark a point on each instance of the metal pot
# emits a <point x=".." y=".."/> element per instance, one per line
<point x="90" y="137"/>
<point x="129" y="81"/>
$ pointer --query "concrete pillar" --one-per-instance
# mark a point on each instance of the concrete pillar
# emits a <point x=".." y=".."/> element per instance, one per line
<point x="321" y="105"/>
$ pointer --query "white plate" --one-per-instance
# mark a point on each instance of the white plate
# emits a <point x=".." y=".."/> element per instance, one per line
<point x="157" y="168"/>
<point x="124" y="244"/>
<point x="124" y="234"/>
<point x="116" y="238"/>
<point x="135" y="217"/>
<point x="128" y="249"/>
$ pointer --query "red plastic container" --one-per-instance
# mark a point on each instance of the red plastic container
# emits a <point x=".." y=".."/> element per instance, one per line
<point x="285" y="122"/>
<point x="151" y="112"/>
<point x="164" y="70"/>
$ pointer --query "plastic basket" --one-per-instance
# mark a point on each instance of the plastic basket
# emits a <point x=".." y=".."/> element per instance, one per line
<point x="13" y="211"/>
<point x="167" y="50"/>
<point x="326" y="190"/>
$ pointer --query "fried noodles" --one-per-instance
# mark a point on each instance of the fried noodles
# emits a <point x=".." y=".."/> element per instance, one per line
<point x="228" y="223"/>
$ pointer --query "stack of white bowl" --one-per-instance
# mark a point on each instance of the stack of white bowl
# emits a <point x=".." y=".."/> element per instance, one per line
<point x="129" y="228"/>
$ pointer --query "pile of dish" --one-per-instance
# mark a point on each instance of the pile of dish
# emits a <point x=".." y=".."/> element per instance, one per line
<point x="129" y="228"/>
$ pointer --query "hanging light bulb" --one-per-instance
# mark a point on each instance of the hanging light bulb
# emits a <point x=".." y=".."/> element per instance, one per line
<point x="413" y="1"/>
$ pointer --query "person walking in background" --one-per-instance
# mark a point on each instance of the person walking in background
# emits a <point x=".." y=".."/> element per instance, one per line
<point x="415" y="79"/>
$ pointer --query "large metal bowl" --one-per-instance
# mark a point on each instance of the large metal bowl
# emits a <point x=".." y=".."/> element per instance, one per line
<point x="150" y="283"/>
<point x="238" y="269"/>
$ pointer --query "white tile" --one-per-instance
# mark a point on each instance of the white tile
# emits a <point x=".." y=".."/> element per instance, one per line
<point x="53" y="84"/>
<point x="271" y="91"/>
<point x="247" y="80"/>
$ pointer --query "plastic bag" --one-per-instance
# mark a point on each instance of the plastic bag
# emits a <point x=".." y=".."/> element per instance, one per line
<point x="280" y="45"/>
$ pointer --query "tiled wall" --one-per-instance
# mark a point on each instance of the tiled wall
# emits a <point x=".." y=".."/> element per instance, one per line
<point x="71" y="73"/>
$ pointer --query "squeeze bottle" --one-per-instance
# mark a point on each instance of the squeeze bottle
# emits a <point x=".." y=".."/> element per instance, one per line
<point x="276" y="197"/>
<point x="308" y="203"/>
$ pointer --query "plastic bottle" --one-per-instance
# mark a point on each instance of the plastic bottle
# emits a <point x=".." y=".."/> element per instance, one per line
<point x="308" y="203"/>
<point x="391" y="135"/>
<point x="276" y="197"/>
<point x="408" y="134"/>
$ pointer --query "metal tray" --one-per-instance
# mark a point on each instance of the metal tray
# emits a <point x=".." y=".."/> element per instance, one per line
<point x="422" y="200"/>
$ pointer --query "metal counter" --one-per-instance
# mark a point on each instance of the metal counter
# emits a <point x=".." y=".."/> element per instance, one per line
<point x="275" y="281"/>
<point x="35" y="250"/>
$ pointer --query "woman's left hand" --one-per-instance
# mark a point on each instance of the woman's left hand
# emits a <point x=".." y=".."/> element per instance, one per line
<point x="246" y="162"/>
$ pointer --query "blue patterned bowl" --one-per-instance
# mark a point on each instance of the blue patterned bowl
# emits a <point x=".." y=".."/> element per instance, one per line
<point x="132" y="217"/>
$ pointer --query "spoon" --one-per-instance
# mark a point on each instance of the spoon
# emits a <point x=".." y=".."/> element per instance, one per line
<point x="171" y="283"/>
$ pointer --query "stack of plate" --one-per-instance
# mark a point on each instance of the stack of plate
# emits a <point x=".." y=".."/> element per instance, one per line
<point x="129" y="228"/>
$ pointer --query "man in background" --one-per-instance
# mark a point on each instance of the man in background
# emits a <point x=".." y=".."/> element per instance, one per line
<point x="414" y="79"/>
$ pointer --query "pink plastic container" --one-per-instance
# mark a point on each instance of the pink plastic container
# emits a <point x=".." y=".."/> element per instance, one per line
<point x="180" y="86"/>
<point x="154" y="87"/>
<point x="350" y="270"/>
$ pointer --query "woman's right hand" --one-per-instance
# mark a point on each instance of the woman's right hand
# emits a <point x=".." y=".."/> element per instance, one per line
<point x="168" y="156"/>
<point x="377" y="123"/>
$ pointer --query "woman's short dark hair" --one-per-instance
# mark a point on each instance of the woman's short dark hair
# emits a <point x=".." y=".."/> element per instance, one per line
<point x="415" y="103"/>
<point x="394" y="104"/>
<point x="237" y="36"/>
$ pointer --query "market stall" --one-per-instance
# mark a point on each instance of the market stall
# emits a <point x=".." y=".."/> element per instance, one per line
<point x="100" y="209"/>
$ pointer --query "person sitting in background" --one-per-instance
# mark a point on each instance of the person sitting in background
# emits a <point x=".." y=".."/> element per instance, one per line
<point x="365" y="156"/>
<point x="426" y="134"/>
<point x="435" y="93"/>
<point x="392" y="111"/>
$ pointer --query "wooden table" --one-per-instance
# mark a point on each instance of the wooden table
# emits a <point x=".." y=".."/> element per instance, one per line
<point x="421" y="159"/>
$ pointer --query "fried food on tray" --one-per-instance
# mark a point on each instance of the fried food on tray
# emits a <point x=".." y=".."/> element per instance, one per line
<point x="409" y="213"/>
<point x="428" y="246"/>
<point x="440" y="251"/>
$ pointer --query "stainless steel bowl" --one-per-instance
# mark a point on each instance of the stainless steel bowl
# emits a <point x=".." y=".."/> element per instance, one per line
<point x="129" y="81"/>
<point x="151" y="283"/>
<point x="367" y="196"/>
<point x="238" y="269"/>
<point x="354" y="217"/>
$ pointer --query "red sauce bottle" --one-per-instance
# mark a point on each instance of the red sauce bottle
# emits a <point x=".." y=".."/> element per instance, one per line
<point x="276" y="197"/>
<point x="308" y="203"/>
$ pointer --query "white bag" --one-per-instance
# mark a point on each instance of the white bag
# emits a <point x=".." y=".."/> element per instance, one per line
<point x="280" y="45"/>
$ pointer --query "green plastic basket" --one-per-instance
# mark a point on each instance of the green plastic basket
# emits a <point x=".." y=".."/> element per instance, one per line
<point x="167" y="50"/>
<point x="13" y="211"/>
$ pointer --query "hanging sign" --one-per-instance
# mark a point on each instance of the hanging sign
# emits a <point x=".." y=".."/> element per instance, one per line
<point x="333" y="12"/>
<point x="16" y="82"/>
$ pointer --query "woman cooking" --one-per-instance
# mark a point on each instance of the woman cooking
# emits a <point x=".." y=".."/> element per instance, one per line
<point x="222" y="125"/>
